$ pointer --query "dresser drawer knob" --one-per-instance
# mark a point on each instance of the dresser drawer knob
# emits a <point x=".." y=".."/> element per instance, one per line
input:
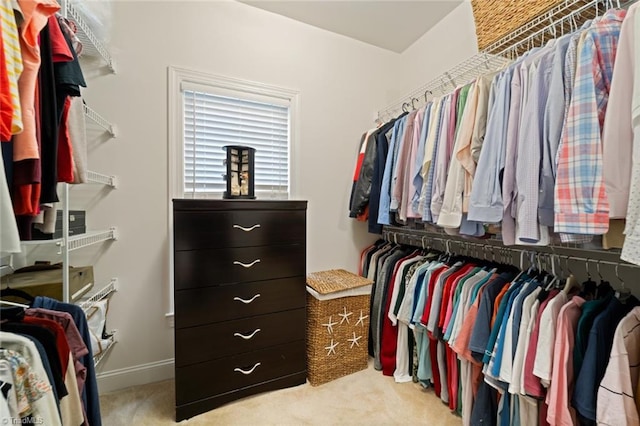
<point x="247" y="229"/>
<point x="245" y="372"/>
<point x="247" y="337"/>
<point x="247" y="301"/>
<point x="246" y="265"/>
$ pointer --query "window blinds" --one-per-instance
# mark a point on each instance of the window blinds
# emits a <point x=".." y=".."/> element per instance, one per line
<point x="212" y="121"/>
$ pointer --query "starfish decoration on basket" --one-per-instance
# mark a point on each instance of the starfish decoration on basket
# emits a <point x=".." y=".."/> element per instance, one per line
<point x="362" y="318"/>
<point x="355" y="339"/>
<point x="332" y="347"/>
<point x="345" y="316"/>
<point x="330" y="325"/>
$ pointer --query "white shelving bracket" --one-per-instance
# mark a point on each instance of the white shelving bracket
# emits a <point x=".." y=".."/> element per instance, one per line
<point x="102" y="294"/>
<point x="99" y="120"/>
<point x="99" y="178"/>
<point x="113" y="340"/>
<point x="91" y="45"/>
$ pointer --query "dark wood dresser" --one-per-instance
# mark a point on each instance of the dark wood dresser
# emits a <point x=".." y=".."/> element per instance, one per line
<point x="240" y="316"/>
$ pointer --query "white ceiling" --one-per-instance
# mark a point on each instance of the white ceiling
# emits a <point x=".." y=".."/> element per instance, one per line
<point x="389" y="24"/>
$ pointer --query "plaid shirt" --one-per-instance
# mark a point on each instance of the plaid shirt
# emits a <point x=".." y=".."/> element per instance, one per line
<point x="581" y="205"/>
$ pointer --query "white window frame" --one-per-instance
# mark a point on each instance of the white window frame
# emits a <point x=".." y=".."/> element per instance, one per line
<point x="176" y="78"/>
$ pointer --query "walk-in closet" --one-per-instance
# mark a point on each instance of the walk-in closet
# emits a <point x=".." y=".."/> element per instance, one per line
<point x="320" y="212"/>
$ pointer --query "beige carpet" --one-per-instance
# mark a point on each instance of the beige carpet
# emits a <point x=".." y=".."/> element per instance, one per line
<point x="363" y="398"/>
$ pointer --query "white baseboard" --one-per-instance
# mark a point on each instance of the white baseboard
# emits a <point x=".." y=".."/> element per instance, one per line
<point x="151" y="372"/>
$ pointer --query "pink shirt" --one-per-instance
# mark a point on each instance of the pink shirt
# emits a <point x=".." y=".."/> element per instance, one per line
<point x="397" y="184"/>
<point x="532" y="384"/>
<point x="406" y="209"/>
<point x="560" y="411"/>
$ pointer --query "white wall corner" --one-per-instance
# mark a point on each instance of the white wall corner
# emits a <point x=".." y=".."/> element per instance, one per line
<point x="110" y="381"/>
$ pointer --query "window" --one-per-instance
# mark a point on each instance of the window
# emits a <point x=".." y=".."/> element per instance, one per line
<point x="217" y="111"/>
<point x="206" y="112"/>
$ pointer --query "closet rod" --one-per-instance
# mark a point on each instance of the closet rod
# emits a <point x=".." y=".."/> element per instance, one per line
<point x="417" y="237"/>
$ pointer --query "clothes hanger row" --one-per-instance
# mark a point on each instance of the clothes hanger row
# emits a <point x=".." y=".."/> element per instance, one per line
<point x="536" y="259"/>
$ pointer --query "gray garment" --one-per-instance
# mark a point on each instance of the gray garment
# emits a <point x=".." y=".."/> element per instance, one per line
<point x="388" y="262"/>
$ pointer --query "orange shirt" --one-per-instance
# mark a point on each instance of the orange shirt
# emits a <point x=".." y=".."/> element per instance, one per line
<point x="35" y="13"/>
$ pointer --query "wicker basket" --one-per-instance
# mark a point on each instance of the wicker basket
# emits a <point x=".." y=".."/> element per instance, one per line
<point x="497" y="18"/>
<point x="337" y="324"/>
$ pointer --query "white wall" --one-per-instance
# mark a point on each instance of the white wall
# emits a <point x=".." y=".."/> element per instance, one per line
<point x="450" y="42"/>
<point x="341" y="82"/>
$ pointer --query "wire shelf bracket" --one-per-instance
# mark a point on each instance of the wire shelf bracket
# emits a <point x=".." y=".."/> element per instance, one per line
<point x="99" y="178"/>
<point x="102" y="294"/>
<point x="91" y="45"/>
<point x="112" y="342"/>
<point x="99" y="120"/>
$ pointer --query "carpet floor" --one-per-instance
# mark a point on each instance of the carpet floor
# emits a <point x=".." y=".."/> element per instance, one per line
<point x="363" y="398"/>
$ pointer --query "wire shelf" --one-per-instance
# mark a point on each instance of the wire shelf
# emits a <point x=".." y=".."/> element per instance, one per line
<point x="461" y="74"/>
<point x="90" y="238"/>
<point x="99" y="120"/>
<point x="112" y="342"/>
<point x="91" y="46"/>
<point x="562" y="19"/>
<point x="99" y="178"/>
<point x="102" y="294"/>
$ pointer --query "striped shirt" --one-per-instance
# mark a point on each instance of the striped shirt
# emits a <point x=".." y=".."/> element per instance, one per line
<point x="13" y="60"/>
<point x="581" y="205"/>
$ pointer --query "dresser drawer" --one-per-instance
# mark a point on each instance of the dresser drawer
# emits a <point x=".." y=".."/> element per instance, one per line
<point x="201" y="268"/>
<point x="210" y="378"/>
<point x="244" y="228"/>
<point x="207" y="305"/>
<point x="239" y="336"/>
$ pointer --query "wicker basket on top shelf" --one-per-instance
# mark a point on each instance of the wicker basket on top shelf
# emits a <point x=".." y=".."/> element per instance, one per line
<point x="497" y="18"/>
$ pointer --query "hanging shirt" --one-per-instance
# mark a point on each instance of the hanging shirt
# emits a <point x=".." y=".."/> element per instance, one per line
<point x="571" y="59"/>
<point x="36" y="14"/>
<point x="417" y="177"/>
<point x="441" y="166"/>
<point x="554" y="115"/>
<point x="617" y="132"/>
<point x="543" y="363"/>
<point x="631" y="248"/>
<point x="616" y="403"/>
<point x="519" y="95"/>
<point x="427" y="157"/>
<point x="596" y="357"/>
<point x="401" y="163"/>
<point x="562" y="380"/>
<point x="406" y="202"/>
<point x="429" y="169"/>
<point x="13" y="62"/>
<point x="486" y="200"/>
<point x="580" y="198"/>
<point x="528" y="228"/>
<point x="451" y="212"/>
<point x="384" y="217"/>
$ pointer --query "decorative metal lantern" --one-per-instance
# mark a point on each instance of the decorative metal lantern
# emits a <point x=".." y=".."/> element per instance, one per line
<point x="240" y="175"/>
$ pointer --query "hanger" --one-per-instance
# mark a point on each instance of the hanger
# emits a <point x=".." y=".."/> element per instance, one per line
<point x="426" y="99"/>
<point x="624" y="293"/>
<point x="571" y="280"/>
<point x="405" y="104"/>
<point x="20" y="305"/>
<point x="414" y="99"/>
<point x="16" y="293"/>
